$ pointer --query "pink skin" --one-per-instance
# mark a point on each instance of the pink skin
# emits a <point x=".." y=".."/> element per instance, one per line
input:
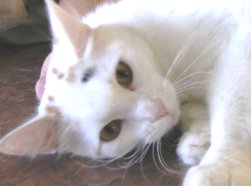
<point x="79" y="8"/>
<point x="41" y="81"/>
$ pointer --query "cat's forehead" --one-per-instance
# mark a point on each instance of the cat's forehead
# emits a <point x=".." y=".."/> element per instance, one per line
<point x="80" y="92"/>
<point x="88" y="84"/>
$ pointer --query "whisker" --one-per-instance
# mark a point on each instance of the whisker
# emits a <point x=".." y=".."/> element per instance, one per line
<point x="141" y="162"/>
<point x="186" y="85"/>
<point x="133" y="154"/>
<point x="180" y="54"/>
<point x="190" y="65"/>
<point x="144" y="152"/>
<point x="155" y="158"/>
<point x="175" y="61"/>
<point x="107" y="162"/>
<point x="98" y="165"/>
<point x="135" y="158"/>
<point x="201" y="54"/>
<point x="188" y="88"/>
<point x="186" y="78"/>
<point x="159" y="153"/>
<point x="163" y="162"/>
<point x="169" y="142"/>
<point x="124" y="176"/>
<point x="161" y="159"/>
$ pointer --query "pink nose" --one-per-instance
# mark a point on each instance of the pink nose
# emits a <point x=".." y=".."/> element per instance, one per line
<point x="161" y="110"/>
<point x="150" y="109"/>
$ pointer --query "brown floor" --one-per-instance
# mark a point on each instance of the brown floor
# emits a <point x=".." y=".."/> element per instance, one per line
<point x="19" y="69"/>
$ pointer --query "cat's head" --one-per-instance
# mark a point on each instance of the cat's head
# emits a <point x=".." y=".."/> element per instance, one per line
<point x="104" y="95"/>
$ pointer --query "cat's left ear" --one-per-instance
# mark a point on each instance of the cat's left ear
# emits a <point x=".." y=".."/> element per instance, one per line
<point x="37" y="136"/>
<point x="67" y="30"/>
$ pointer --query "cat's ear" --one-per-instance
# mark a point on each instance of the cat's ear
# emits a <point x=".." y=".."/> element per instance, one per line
<point x="78" y="8"/>
<point x="67" y="30"/>
<point x="37" y="136"/>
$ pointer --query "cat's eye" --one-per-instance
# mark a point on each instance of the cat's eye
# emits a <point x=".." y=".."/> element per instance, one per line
<point x="124" y="75"/>
<point x="111" y="131"/>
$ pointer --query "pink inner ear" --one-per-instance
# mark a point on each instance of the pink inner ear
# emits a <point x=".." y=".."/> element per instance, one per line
<point x="73" y="30"/>
<point x="40" y="135"/>
<point x="80" y="39"/>
<point x="78" y="7"/>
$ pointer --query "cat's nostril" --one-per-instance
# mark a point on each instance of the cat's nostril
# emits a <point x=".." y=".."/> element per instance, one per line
<point x="161" y="110"/>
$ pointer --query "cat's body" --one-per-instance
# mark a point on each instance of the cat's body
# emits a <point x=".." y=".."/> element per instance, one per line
<point x="188" y="60"/>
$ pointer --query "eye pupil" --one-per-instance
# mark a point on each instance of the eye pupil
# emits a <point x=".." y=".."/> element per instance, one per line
<point x="124" y="75"/>
<point x="111" y="131"/>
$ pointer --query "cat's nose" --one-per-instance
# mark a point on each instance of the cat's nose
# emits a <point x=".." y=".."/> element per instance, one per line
<point x="160" y="109"/>
<point x="150" y="109"/>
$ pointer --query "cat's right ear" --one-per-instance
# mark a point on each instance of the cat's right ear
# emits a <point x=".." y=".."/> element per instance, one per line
<point x="37" y="136"/>
<point x="67" y="30"/>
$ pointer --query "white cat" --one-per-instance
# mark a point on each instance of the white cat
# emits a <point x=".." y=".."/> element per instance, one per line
<point x="125" y="74"/>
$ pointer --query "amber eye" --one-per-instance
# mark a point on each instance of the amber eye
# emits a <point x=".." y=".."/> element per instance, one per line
<point x="124" y="74"/>
<point x="111" y="131"/>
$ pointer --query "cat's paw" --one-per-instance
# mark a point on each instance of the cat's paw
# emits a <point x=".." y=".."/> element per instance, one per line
<point x="193" y="146"/>
<point x="221" y="173"/>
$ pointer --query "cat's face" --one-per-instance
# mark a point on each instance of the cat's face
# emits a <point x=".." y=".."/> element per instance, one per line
<point x="105" y="95"/>
<point x="113" y="98"/>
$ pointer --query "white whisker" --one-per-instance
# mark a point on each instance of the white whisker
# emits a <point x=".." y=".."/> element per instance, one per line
<point x="144" y="152"/>
<point x="137" y="156"/>
<point x="156" y="158"/>
<point x="162" y="160"/>
<point x="175" y="61"/>
<point x="138" y="149"/>
<point x="180" y="54"/>
<point x="97" y="165"/>
<point x="195" y="74"/>
<point x="190" y="84"/>
<point x="201" y="54"/>
<point x="188" y="88"/>
<point x="124" y="176"/>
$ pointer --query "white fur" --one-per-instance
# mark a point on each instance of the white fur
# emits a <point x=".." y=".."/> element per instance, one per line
<point x="190" y="55"/>
<point x="78" y="100"/>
